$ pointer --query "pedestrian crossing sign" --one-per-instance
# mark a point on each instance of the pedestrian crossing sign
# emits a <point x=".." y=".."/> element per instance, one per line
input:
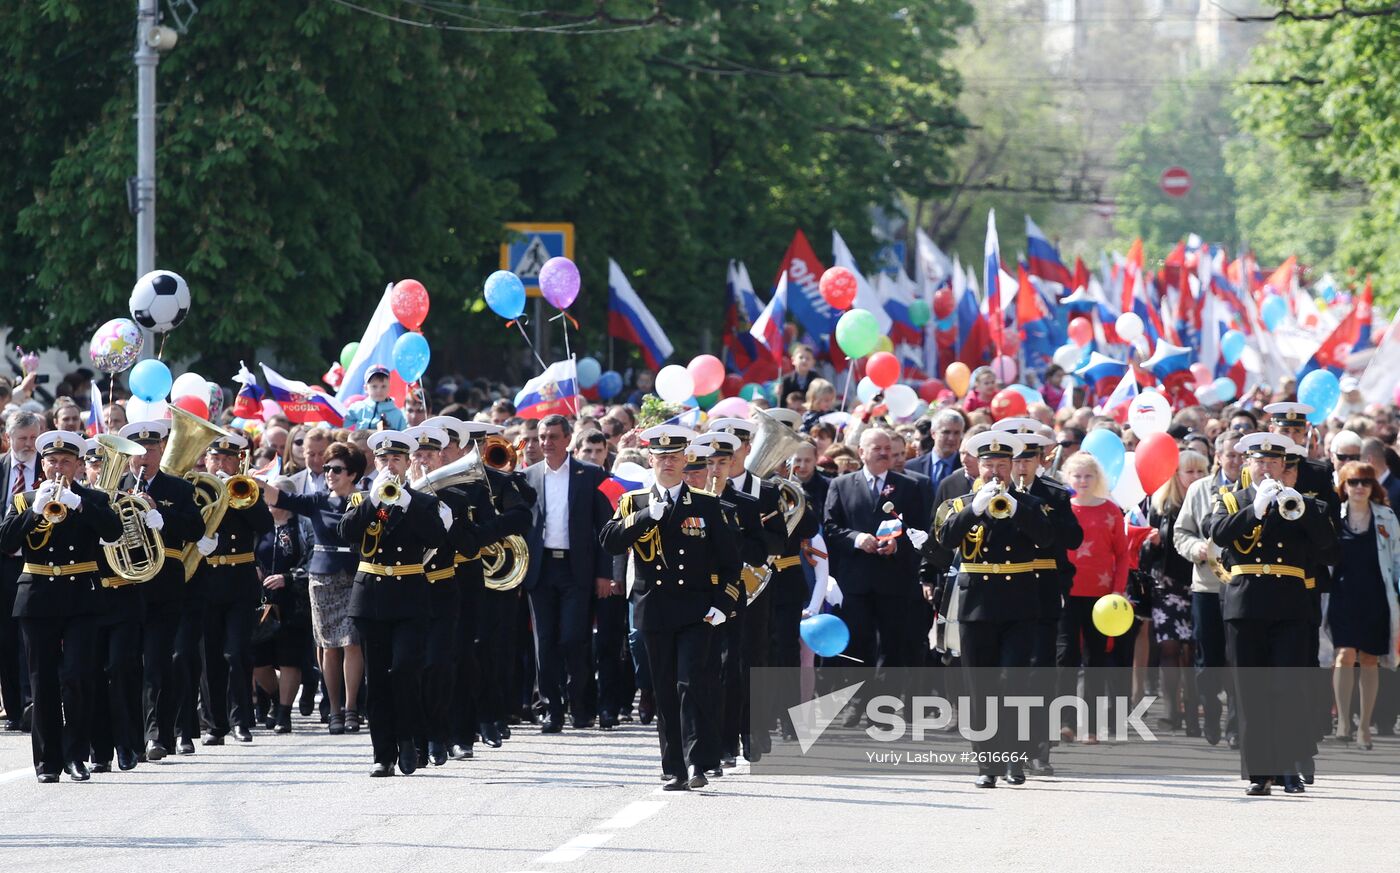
<point x="530" y="244"/>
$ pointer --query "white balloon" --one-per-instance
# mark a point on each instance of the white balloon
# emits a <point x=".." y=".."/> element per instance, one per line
<point x="674" y="384"/>
<point x="188" y="384"/>
<point x="866" y="390"/>
<point x="1205" y="395"/>
<point x="1129" y="326"/>
<point x="145" y="410"/>
<point x="902" y="400"/>
<point x="1128" y="492"/>
<point x="1067" y="357"/>
<point x="1149" y="413"/>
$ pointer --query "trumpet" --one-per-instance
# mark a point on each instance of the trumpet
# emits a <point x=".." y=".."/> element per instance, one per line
<point x="243" y="490"/>
<point x="388" y="491"/>
<point x="1000" y="506"/>
<point x="1290" y="504"/>
<point x="497" y="452"/>
<point x="54" y="511"/>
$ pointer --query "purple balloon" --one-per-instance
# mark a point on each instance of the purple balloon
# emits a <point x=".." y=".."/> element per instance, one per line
<point x="559" y="282"/>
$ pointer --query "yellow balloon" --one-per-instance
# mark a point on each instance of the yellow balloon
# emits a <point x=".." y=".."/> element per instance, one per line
<point x="1321" y="305"/>
<point x="1113" y="615"/>
<point x="884" y="344"/>
<point x="957" y="377"/>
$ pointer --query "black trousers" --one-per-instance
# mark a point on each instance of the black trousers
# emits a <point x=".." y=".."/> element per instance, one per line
<point x="466" y="671"/>
<point x="677" y="659"/>
<point x="394" y="655"/>
<point x="440" y="669"/>
<point x="188" y="662"/>
<point x="12" y="666"/>
<point x="228" y="663"/>
<point x="995" y="658"/>
<point x="1266" y="658"/>
<point x="611" y="657"/>
<point x="60" y="656"/>
<point x="116" y="686"/>
<point x="1081" y="644"/>
<point x="1042" y="680"/>
<point x="729" y="638"/>
<point x="754" y="724"/>
<point x="160" y="683"/>
<point x="881" y="629"/>
<point x="494" y="629"/>
<point x="785" y="652"/>
<point x="559" y="611"/>
<point x="1212" y="671"/>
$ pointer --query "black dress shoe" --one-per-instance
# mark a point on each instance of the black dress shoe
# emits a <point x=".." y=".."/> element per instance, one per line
<point x="460" y="752"/>
<point x="101" y="767"/>
<point x="716" y="773"/>
<point x="1307" y="769"/>
<point x="676" y="784"/>
<point x="126" y="759"/>
<point x="408" y="757"/>
<point x="154" y="751"/>
<point x="728" y="761"/>
<point x="1259" y="789"/>
<point x="242" y="734"/>
<point x="607" y="722"/>
<point x="186" y="747"/>
<point x="503" y="727"/>
<point x="583" y="724"/>
<point x="1015" y="773"/>
<point x="551" y="726"/>
<point x="437" y="753"/>
<point x="490" y="735"/>
<point x="382" y="770"/>
<point x="211" y="739"/>
<point x="47" y="778"/>
<point x="1211" y="731"/>
<point x="986" y="780"/>
<point x="1293" y="784"/>
<point x="11" y="725"/>
<point x="308" y="699"/>
<point x="282" y="724"/>
<point x="1233" y="739"/>
<point x="77" y="771"/>
<point x="697" y="778"/>
<point x="646" y="707"/>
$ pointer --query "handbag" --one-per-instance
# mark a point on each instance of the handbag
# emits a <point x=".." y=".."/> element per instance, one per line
<point x="267" y="621"/>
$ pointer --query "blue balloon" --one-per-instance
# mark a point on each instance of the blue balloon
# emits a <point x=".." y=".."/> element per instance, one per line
<point x="505" y="294"/>
<point x="150" y="380"/>
<point x="609" y="384"/>
<point x="825" y="634"/>
<point x="1223" y="389"/>
<point x="1031" y="395"/>
<point x="411" y="356"/>
<point x="589" y="371"/>
<point x="1319" y="389"/>
<point x="1273" y="310"/>
<point x="1107" y="448"/>
<point x="1231" y="346"/>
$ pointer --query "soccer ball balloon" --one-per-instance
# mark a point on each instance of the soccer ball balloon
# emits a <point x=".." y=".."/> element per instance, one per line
<point x="160" y="301"/>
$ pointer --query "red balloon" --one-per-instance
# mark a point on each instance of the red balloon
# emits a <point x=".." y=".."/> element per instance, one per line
<point x="193" y="404"/>
<point x="732" y="385"/>
<point x="1156" y="460"/>
<point x="930" y="389"/>
<point x="883" y="369"/>
<point x="838" y="287"/>
<point x="1008" y="403"/>
<point x="943" y="303"/>
<point x="1081" y="331"/>
<point x="409" y="301"/>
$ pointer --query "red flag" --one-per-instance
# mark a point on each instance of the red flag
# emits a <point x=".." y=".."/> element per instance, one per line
<point x="1081" y="274"/>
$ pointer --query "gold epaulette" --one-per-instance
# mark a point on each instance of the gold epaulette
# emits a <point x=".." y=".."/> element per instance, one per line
<point x="21" y="503"/>
<point x="356" y="499"/>
<point x="1232" y="504"/>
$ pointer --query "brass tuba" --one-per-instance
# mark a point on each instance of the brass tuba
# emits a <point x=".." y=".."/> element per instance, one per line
<point x="190" y="437"/>
<point x="503" y="563"/>
<point x="140" y="553"/>
<point x="774" y="444"/>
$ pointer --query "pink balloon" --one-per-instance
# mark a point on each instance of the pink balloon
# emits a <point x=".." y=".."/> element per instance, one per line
<point x="730" y="407"/>
<point x="707" y="372"/>
<point x="559" y="282"/>
<point x="1201" y="374"/>
<point x="1005" y="368"/>
<point x="1081" y="331"/>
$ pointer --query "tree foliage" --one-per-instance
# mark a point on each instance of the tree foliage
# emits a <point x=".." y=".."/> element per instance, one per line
<point x="310" y="152"/>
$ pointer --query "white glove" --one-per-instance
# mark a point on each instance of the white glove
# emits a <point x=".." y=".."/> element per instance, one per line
<point x="1012" y="501"/>
<point x="374" y="488"/>
<point x="45" y="493"/>
<point x="984" y="497"/>
<point x="656" y="509"/>
<point x="714" y="617"/>
<point x="154" y="520"/>
<point x="69" y="498"/>
<point x="207" y="545"/>
<point x="402" y="502"/>
<point x="833" y="592"/>
<point x="445" y="513"/>
<point x="1266" y="495"/>
<point x="917" y="538"/>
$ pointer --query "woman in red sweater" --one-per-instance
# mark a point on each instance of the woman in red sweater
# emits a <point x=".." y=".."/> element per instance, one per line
<point x="1100" y="567"/>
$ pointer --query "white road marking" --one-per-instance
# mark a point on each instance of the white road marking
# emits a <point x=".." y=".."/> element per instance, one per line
<point x="634" y="814"/>
<point x="575" y="848"/>
<point x="15" y="775"/>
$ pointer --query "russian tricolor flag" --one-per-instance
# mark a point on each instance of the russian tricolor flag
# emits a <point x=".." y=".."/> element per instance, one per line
<point x="629" y="320"/>
<point x="248" y="403"/>
<point x="1043" y="260"/>
<point x="301" y="403"/>
<point x="376" y="347"/>
<point x="1122" y="397"/>
<point x="768" y="329"/>
<point x="553" y="391"/>
<point x="94" y="413"/>
<point x="991" y="280"/>
<point x="743" y="310"/>
<point x="627" y="476"/>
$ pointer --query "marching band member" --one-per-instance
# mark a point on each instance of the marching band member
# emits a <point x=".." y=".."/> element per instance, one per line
<point x="229" y="575"/>
<point x="169" y="641"/>
<point x="1268" y="534"/>
<point x="59" y="527"/>
<point x="687" y="582"/>
<point x="397" y="529"/>
<point x="1002" y="539"/>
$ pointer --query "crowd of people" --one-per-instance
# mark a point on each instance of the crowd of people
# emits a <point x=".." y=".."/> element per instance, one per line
<point x="447" y="572"/>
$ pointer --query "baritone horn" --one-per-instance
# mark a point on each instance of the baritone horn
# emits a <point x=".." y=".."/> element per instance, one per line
<point x="139" y="554"/>
<point x="190" y="437"/>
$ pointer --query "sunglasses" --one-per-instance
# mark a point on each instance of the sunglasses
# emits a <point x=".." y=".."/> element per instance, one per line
<point x="1354" y="483"/>
<point x="1348" y="458"/>
<point x="1067" y="444"/>
<point x="332" y="468"/>
<point x="298" y="441"/>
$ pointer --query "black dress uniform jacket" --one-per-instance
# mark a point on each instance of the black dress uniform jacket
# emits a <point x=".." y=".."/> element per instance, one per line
<point x="684" y="564"/>
<point x="239" y="532"/>
<point x="1003" y="565"/>
<point x="74" y="541"/>
<point x="387" y="537"/>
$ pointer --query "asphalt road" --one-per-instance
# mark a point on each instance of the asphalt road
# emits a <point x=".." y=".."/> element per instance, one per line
<point x="589" y="800"/>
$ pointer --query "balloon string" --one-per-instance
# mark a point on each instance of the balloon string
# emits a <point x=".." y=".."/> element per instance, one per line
<point x="526" y="337"/>
<point x="161" y="352"/>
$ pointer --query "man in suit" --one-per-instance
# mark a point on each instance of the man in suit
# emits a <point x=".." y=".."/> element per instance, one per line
<point x="19" y="472"/>
<point x="56" y="605"/>
<point x="310" y="478"/>
<point x="943" y="459"/>
<point x="570" y="570"/>
<point x="686" y="564"/>
<point x="878" y="575"/>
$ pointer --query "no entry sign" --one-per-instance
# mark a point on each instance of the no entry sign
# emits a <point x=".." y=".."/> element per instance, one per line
<point x="1176" y="182"/>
